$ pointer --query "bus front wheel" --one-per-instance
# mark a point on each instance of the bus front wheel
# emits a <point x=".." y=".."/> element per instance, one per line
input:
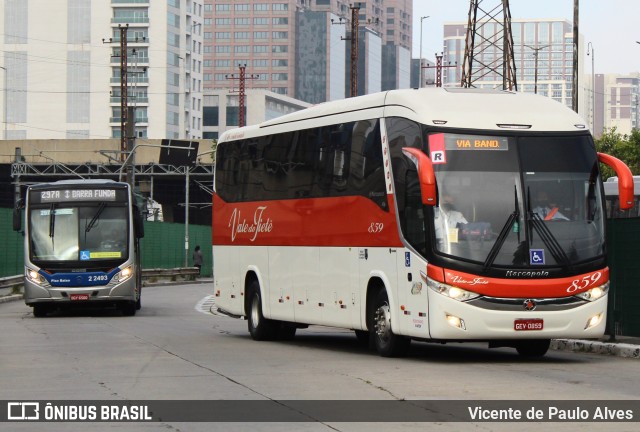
<point x="386" y="342"/>
<point x="40" y="310"/>
<point x="128" y="308"/>
<point x="260" y="327"/>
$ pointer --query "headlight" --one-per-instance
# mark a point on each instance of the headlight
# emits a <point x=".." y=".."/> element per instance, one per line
<point x="594" y="293"/>
<point x="451" y="291"/>
<point x="124" y="274"/>
<point x="34" y="276"/>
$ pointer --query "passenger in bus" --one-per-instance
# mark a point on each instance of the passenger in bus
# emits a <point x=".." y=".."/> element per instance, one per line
<point x="448" y="220"/>
<point x="546" y="208"/>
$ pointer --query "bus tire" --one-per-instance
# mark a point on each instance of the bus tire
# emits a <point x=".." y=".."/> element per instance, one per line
<point x="128" y="308"/>
<point x="387" y="343"/>
<point x="533" y="348"/>
<point x="40" y="310"/>
<point x="260" y="327"/>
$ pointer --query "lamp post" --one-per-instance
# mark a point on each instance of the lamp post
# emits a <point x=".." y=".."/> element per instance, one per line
<point x="535" y="55"/>
<point x="4" y="108"/>
<point x="591" y="51"/>
<point x="421" y="19"/>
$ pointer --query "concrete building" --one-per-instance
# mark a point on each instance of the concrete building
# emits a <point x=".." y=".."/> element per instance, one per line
<point x="221" y="109"/>
<point x="617" y="103"/>
<point x="64" y="81"/>
<point x="543" y="51"/>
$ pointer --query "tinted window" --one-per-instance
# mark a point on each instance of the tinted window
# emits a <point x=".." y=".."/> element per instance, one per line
<point x="337" y="160"/>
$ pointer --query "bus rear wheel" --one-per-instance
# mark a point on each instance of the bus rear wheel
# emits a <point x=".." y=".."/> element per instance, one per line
<point x="260" y="327"/>
<point x="387" y="343"/>
<point x="533" y="348"/>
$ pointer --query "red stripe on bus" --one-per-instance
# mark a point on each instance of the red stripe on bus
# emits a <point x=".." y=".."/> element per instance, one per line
<point x="351" y="221"/>
<point x="534" y="287"/>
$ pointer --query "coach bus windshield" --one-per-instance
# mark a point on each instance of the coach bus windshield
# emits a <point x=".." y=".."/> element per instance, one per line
<point x="88" y="233"/>
<point x="517" y="201"/>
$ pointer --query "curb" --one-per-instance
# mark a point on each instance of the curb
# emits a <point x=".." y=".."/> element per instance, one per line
<point x="10" y="298"/>
<point x="596" y="347"/>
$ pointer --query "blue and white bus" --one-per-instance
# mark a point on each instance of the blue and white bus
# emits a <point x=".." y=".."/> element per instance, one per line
<point x="81" y="246"/>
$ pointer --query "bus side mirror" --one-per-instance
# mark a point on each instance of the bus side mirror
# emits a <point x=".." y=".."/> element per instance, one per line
<point x="17" y="215"/>
<point x="426" y="175"/>
<point x="138" y="223"/>
<point x="625" y="179"/>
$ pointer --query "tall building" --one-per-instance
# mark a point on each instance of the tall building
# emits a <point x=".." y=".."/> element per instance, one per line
<point x="543" y="52"/>
<point x="63" y="71"/>
<point x="301" y="48"/>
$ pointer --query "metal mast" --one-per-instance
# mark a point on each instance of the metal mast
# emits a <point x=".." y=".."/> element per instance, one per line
<point x="488" y="54"/>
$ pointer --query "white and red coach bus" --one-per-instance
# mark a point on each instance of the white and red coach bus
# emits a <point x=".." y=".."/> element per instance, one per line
<point x="412" y="214"/>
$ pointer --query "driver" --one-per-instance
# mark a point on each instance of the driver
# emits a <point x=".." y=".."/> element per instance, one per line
<point x="547" y="209"/>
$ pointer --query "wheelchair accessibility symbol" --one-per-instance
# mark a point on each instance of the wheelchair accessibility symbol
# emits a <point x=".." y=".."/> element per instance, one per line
<point x="85" y="255"/>
<point x="536" y="256"/>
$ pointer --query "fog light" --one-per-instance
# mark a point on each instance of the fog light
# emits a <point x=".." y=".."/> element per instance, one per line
<point x="593" y="321"/>
<point x="454" y="321"/>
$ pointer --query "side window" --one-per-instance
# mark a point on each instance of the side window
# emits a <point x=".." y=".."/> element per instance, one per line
<point x="227" y="167"/>
<point x="405" y="133"/>
<point x="366" y="166"/>
<point x="328" y="161"/>
<point x="276" y="151"/>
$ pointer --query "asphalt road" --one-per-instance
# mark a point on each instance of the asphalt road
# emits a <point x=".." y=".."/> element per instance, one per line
<point x="175" y="349"/>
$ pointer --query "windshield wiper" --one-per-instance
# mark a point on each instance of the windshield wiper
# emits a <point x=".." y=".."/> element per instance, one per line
<point x="95" y="217"/>
<point x="504" y="232"/>
<point x="547" y="237"/>
<point x="52" y="220"/>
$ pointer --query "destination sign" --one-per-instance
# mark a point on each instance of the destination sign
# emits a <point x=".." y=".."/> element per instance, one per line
<point x="475" y="142"/>
<point x="72" y="195"/>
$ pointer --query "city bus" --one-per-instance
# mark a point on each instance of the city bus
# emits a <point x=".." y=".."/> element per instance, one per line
<point x="341" y="215"/>
<point x="81" y="246"/>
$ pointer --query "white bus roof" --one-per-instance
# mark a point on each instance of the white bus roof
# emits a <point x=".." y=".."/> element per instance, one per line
<point x="442" y="107"/>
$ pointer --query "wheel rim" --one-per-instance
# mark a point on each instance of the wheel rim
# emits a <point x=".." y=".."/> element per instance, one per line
<point x="255" y="315"/>
<point x="383" y="322"/>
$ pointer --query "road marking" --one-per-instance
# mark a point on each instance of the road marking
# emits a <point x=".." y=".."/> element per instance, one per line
<point x="206" y="305"/>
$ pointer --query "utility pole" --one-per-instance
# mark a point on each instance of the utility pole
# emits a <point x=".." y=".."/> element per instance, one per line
<point x="124" y="145"/>
<point x="127" y="114"/>
<point x="438" y="67"/>
<point x="242" y="78"/>
<point x="593" y="86"/>
<point x="4" y="109"/>
<point x="574" y="84"/>
<point x="535" y="55"/>
<point x="355" y="13"/>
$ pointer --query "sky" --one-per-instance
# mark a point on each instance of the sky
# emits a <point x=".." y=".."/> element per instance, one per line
<point x="612" y="26"/>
